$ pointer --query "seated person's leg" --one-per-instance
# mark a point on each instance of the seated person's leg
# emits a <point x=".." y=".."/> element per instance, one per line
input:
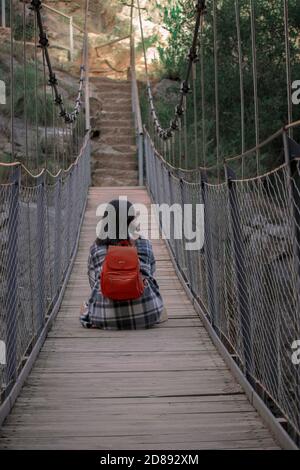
<point x="84" y="316"/>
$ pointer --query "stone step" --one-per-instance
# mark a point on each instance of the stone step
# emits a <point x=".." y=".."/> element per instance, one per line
<point x="114" y="163"/>
<point x="104" y="94"/>
<point x="117" y="131"/>
<point x="114" y="123"/>
<point x="118" y="172"/>
<point x="118" y="108"/>
<point x="109" y="81"/>
<point x="111" y="153"/>
<point x="115" y="115"/>
<point x="116" y="101"/>
<point x="99" y="148"/>
<point x="112" y="85"/>
<point x="114" y="160"/>
<point x="124" y="148"/>
<point x="117" y="141"/>
<point x="119" y="177"/>
<point x="111" y="182"/>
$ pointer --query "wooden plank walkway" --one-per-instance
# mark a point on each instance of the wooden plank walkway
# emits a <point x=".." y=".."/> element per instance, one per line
<point x="164" y="388"/>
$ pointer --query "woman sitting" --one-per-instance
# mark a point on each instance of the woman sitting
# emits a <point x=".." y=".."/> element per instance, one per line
<point x="101" y="311"/>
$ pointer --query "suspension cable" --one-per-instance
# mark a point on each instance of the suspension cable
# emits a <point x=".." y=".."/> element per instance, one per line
<point x="25" y="85"/>
<point x="217" y="110"/>
<point x="242" y="98"/>
<point x="203" y="106"/>
<point x="36" y="6"/>
<point x="255" y="89"/>
<point x="288" y="64"/>
<point x="12" y="93"/>
<point x="195" y="116"/>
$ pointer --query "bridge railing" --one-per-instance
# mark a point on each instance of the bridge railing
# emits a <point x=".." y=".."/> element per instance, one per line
<point x="246" y="274"/>
<point x="136" y="109"/>
<point x="71" y="26"/>
<point x="44" y="179"/>
<point x="39" y="226"/>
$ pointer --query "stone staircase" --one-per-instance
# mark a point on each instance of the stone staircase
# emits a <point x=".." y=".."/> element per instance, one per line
<point x="114" y="156"/>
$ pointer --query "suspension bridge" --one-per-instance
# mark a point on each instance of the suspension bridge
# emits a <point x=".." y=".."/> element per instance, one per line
<point x="219" y="373"/>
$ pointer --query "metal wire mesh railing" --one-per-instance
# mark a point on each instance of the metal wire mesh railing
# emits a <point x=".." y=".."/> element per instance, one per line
<point x="43" y="186"/>
<point x="38" y="233"/>
<point x="246" y="275"/>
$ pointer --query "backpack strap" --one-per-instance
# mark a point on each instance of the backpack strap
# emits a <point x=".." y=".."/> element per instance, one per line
<point x="124" y="243"/>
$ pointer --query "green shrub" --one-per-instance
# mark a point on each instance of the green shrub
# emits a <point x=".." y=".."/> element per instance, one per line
<point x="178" y="17"/>
<point x="36" y="108"/>
<point x="19" y="27"/>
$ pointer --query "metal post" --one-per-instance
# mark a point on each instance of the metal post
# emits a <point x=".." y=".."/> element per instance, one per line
<point x="71" y="39"/>
<point x="208" y="253"/>
<point x="87" y="69"/>
<point x="87" y="93"/>
<point x="3" y="14"/>
<point x="175" y="247"/>
<point x="186" y="254"/>
<point x="146" y="158"/>
<point x="74" y="208"/>
<point x="141" y="159"/>
<point x="288" y="64"/>
<point x="292" y="152"/>
<point x="40" y="241"/>
<point x="12" y="280"/>
<point x="68" y="215"/>
<point x="57" y="236"/>
<point x="88" y="165"/>
<point x="240" y="272"/>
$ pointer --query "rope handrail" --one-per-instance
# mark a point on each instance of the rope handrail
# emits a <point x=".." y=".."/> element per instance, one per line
<point x="265" y="142"/>
<point x="110" y="43"/>
<point x="204" y="170"/>
<point x="259" y="177"/>
<point x="69" y="17"/>
<point x="292" y="125"/>
<point x="173" y="168"/>
<point x="257" y="147"/>
<point x="45" y="170"/>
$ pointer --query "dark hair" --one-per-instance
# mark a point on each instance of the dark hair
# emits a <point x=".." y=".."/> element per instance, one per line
<point x="120" y="207"/>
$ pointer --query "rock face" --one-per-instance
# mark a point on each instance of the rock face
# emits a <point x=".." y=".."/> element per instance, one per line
<point x="114" y="159"/>
<point x="167" y="89"/>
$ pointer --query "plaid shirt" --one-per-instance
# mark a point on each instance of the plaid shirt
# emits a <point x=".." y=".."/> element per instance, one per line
<point x="130" y="314"/>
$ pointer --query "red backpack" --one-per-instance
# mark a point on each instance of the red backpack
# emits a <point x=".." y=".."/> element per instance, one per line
<point x="121" y="278"/>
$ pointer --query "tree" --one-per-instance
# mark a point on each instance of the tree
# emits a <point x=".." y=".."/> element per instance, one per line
<point x="271" y="69"/>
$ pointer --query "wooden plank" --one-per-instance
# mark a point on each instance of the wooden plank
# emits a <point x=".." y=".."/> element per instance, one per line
<point x="164" y="388"/>
<point x="185" y="441"/>
<point x="146" y="361"/>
